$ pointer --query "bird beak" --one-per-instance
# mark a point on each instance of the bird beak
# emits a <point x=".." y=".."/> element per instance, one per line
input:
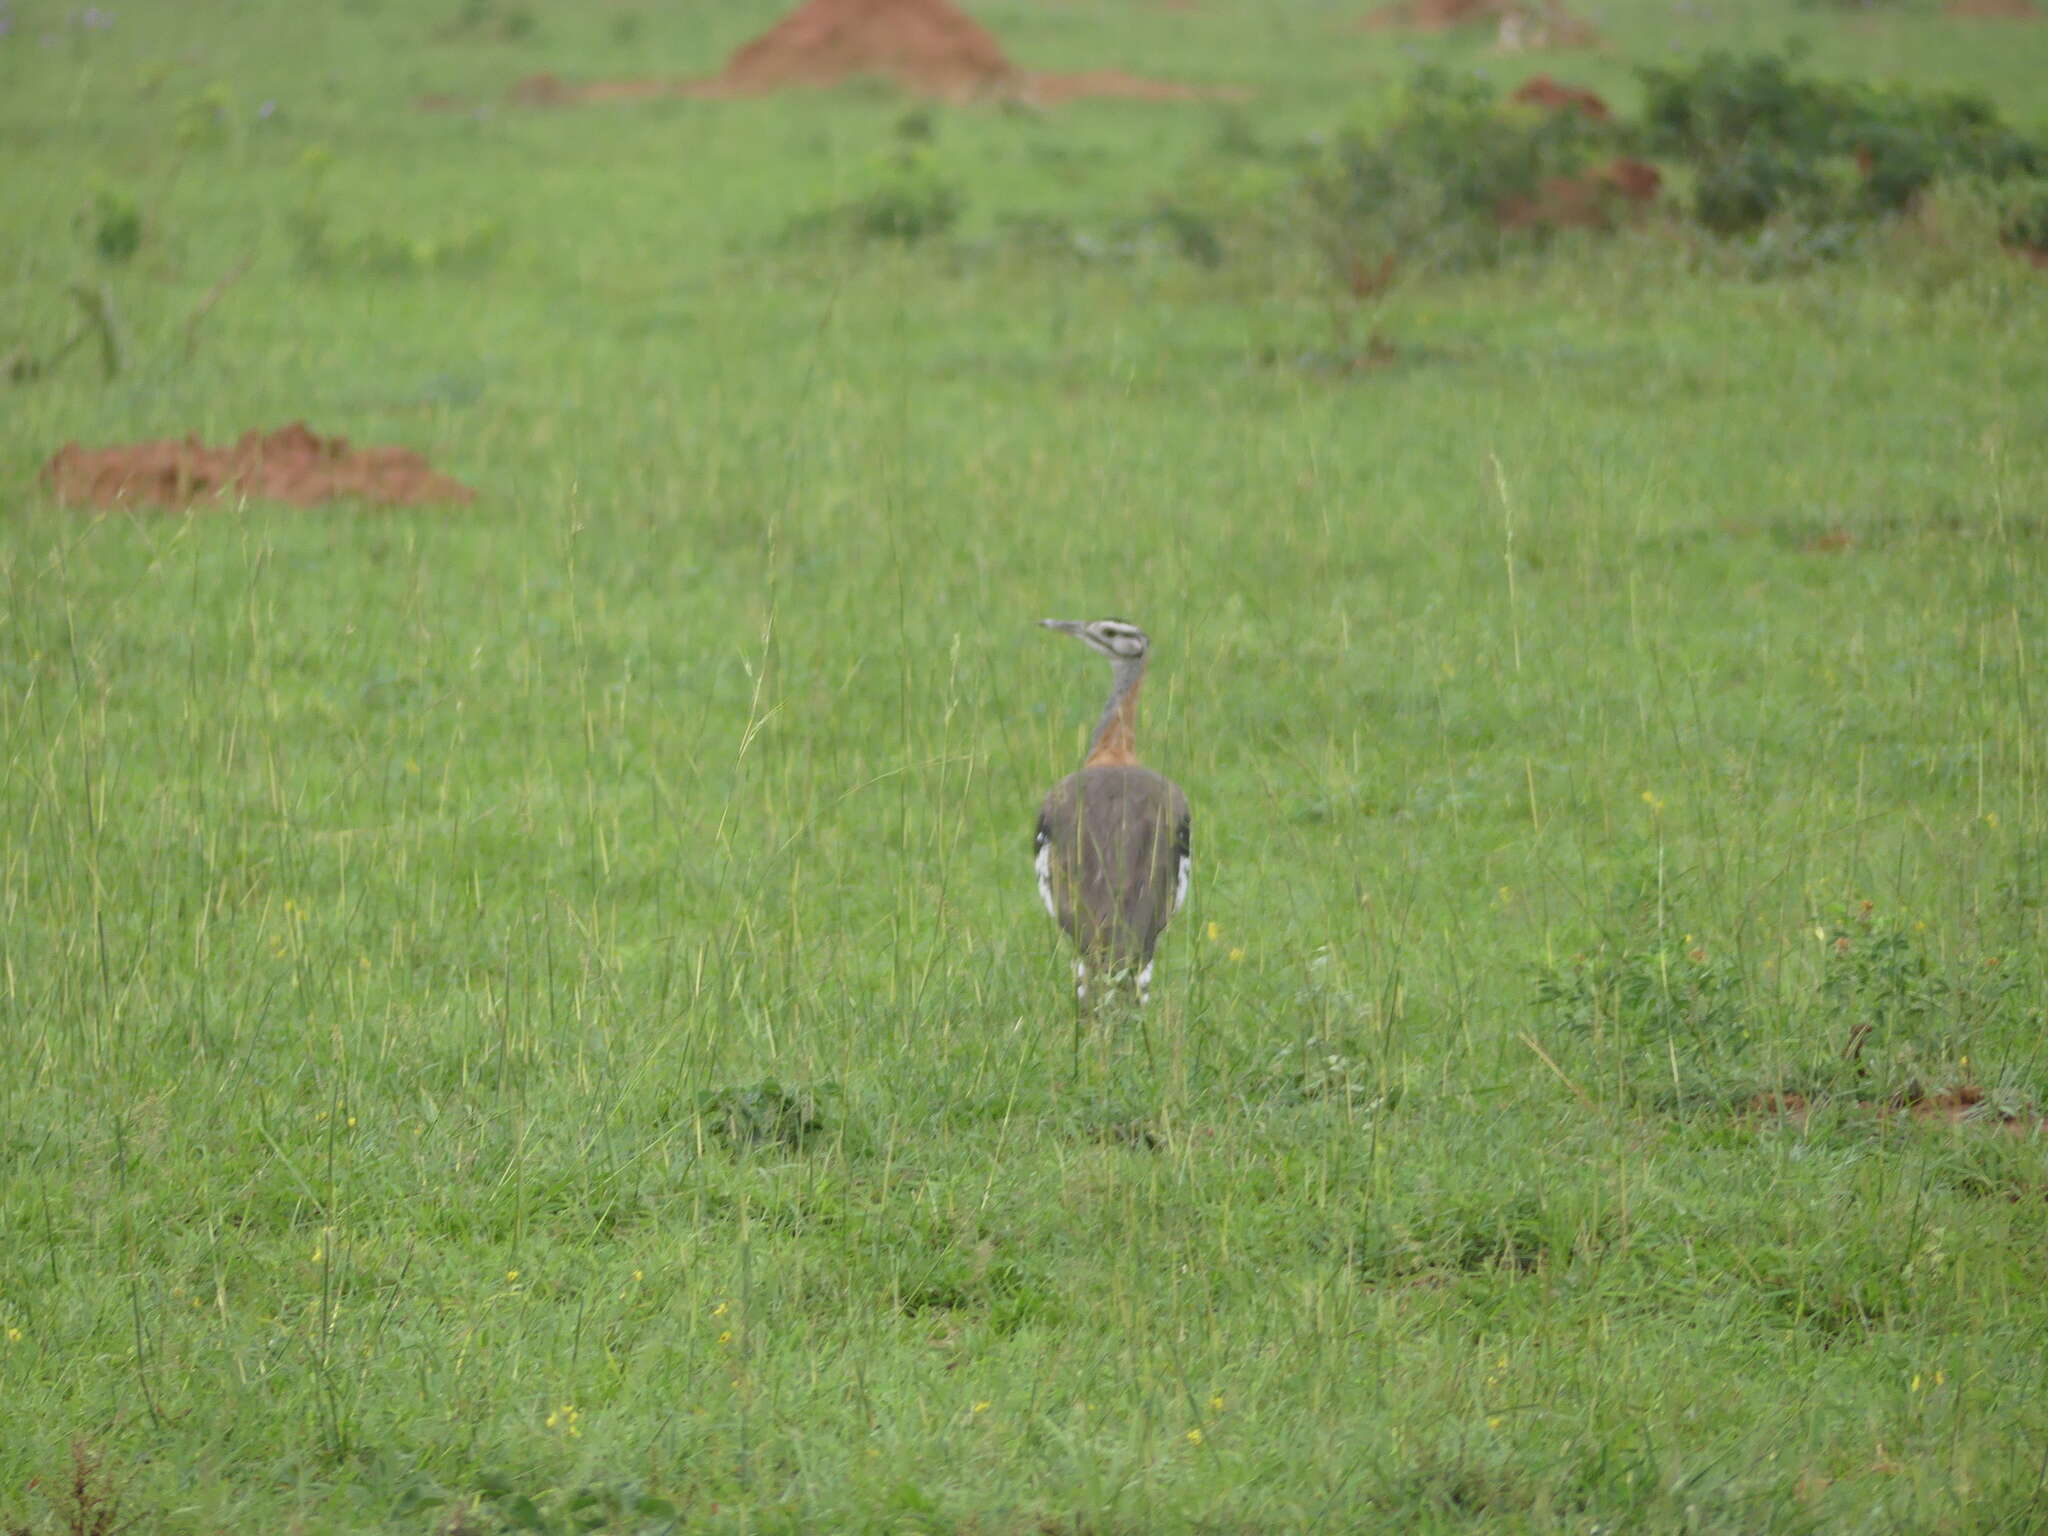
<point x="1064" y="626"/>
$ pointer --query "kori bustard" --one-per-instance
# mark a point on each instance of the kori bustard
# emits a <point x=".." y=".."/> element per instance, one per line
<point x="1112" y="844"/>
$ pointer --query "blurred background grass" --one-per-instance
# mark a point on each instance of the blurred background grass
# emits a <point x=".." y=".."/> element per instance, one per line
<point x="547" y="995"/>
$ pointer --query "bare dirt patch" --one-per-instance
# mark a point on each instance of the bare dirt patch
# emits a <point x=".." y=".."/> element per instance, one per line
<point x="1599" y="199"/>
<point x="1555" y="96"/>
<point x="1965" y="1107"/>
<point x="548" y="90"/>
<point x="293" y="465"/>
<point x="926" y="46"/>
<point x="1050" y="90"/>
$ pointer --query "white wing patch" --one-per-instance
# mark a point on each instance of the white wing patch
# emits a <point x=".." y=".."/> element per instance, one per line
<point x="1181" y="878"/>
<point x="1044" y="866"/>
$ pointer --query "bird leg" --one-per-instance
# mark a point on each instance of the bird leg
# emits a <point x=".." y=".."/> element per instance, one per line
<point x="1112" y="981"/>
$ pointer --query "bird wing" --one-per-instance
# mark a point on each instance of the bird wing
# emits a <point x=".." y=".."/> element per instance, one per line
<point x="1112" y="852"/>
<point x="1183" y="859"/>
<point x="1041" y="857"/>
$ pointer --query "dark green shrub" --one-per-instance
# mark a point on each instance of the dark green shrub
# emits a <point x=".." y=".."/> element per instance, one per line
<point x="114" y="225"/>
<point x="1723" y="103"/>
<point x="1649" y="991"/>
<point x="1428" y="189"/>
<point x="908" y="208"/>
<point x="909" y="201"/>
<point x="767" y="1114"/>
<point x="1739" y="190"/>
<point x="2025" y="223"/>
<point x="1767" y="142"/>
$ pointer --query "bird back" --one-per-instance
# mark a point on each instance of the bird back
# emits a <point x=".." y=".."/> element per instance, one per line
<point x="1113" y="845"/>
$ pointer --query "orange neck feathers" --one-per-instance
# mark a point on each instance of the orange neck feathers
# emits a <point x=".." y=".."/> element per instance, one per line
<point x="1116" y="738"/>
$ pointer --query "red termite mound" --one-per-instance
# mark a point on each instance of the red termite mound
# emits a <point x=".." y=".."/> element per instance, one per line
<point x="929" y="46"/>
<point x="1597" y="200"/>
<point x="925" y="44"/>
<point x="293" y="465"/>
<point x="1555" y="96"/>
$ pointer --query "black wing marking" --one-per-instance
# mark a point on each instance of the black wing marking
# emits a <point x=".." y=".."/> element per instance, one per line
<point x="1041" y="860"/>
<point x="1183" y="862"/>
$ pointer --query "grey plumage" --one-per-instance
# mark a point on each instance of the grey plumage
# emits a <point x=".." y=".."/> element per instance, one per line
<point x="1113" y="839"/>
<point x="1117" y="838"/>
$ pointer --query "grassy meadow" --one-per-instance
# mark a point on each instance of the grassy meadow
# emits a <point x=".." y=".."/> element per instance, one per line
<point x="535" y="1015"/>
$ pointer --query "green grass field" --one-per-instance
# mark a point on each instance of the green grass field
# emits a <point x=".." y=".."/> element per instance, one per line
<point x="536" y="1015"/>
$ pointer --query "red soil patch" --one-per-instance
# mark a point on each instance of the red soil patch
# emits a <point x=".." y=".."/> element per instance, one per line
<point x="1050" y="90"/>
<point x="1958" y="1107"/>
<point x="1996" y="10"/>
<point x="1519" y="27"/>
<point x="922" y="45"/>
<point x="925" y="44"/>
<point x="554" y="91"/>
<point x="1552" y="96"/>
<point x="1635" y="180"/>
<point x="1598" y="200"/>
<point x="292" y="465"/>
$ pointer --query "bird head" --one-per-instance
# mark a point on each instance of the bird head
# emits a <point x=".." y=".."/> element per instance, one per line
<point x="1106" y="637"/>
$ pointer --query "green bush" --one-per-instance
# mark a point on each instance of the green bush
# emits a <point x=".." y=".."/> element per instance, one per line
<point x="1428" y="189"/>
<point x="909" y="202"/>
<point x="113" y="225"/>
<point x="2025" y="221"/>
<point x="1766" y="142"/>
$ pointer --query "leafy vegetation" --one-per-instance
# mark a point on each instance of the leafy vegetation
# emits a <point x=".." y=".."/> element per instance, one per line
<point x="1427" y="188"/>
<point x="1765" y="140"/>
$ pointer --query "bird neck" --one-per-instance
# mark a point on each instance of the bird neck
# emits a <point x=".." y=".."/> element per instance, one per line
<point x="1115" y="743"/>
